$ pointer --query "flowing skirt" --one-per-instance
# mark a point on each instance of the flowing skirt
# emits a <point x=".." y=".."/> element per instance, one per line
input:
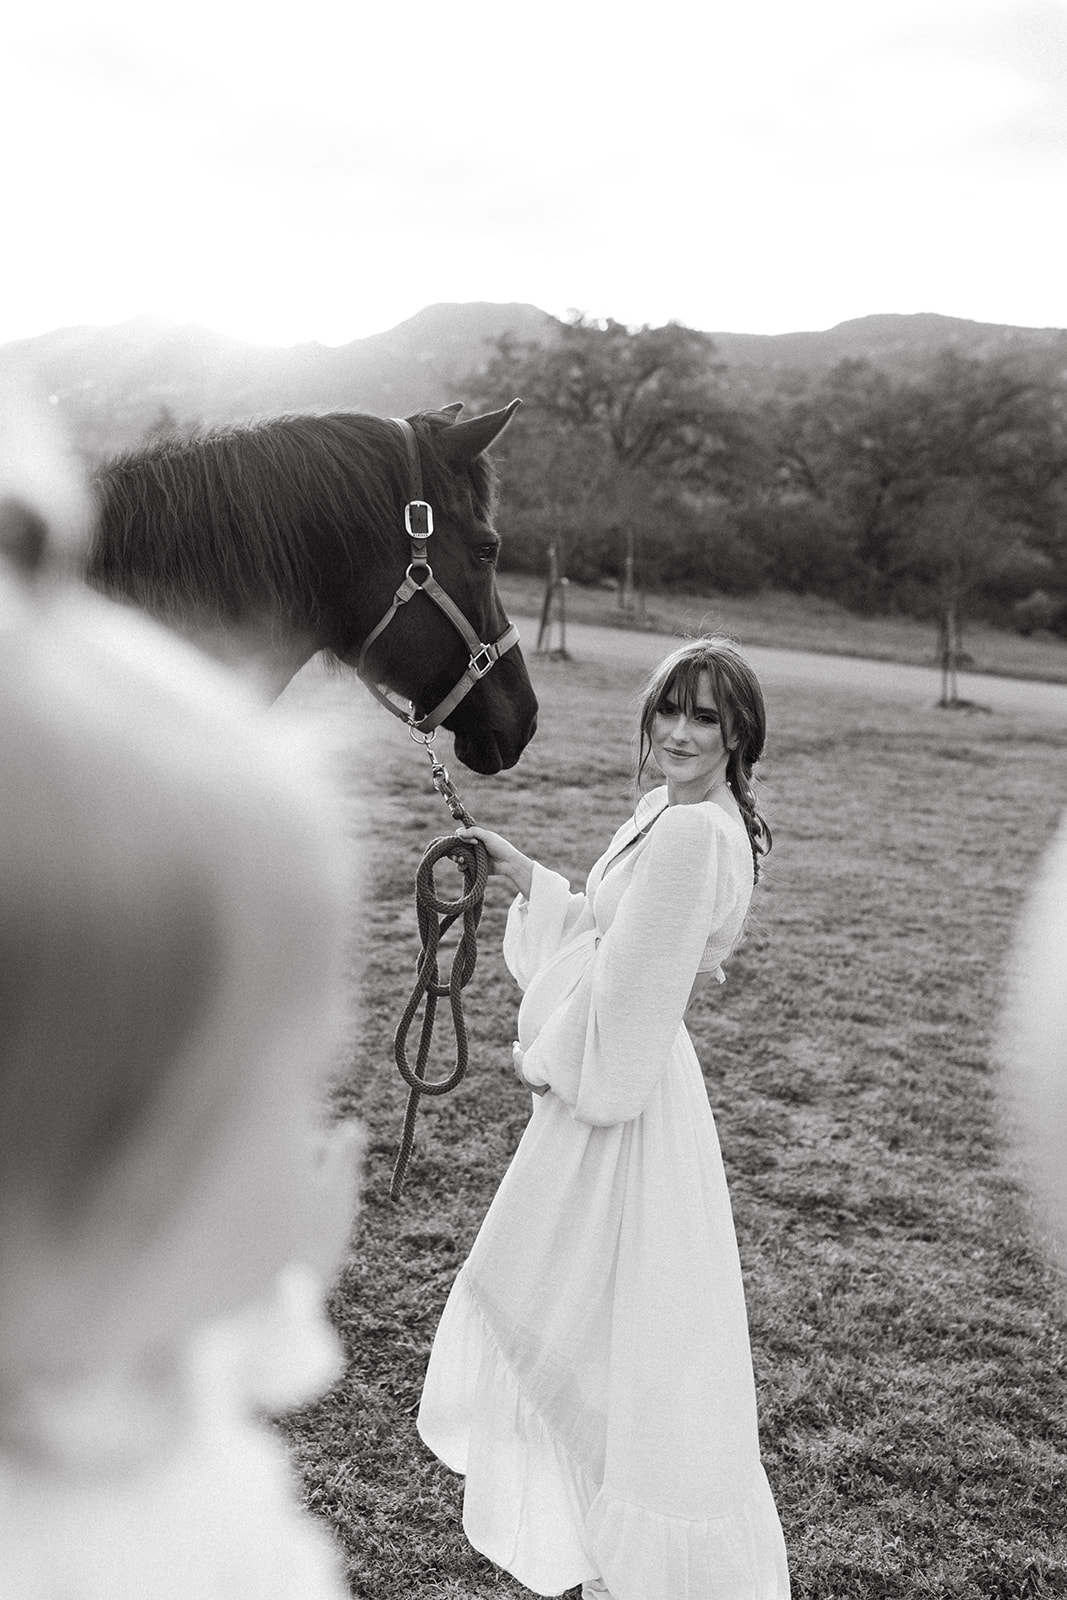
<point x="591" y="1375"/>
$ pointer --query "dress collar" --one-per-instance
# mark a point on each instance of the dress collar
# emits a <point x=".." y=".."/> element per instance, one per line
<point x="649" y="807"/>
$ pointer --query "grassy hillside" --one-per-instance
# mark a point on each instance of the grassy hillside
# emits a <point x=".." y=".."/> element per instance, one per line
<point x="908" y="1335"/>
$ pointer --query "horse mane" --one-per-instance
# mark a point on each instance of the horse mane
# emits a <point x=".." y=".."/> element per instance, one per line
<point x="243" y="520"/>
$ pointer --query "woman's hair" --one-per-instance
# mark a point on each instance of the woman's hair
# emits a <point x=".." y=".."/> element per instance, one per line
<point x="736" y="689"/>
<point x="171" y="921"/>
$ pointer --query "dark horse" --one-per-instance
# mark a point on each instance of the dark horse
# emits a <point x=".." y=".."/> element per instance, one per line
<point x="269" y="542"/>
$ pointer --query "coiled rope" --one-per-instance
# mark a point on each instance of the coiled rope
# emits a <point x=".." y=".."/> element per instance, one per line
<point x="435" y="916"/>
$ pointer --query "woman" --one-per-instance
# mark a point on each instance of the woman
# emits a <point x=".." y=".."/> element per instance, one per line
<point x="591" y="1375"/>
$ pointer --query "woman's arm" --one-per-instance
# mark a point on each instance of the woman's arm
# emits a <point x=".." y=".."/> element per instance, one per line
<point x="545" y="915"/>
<point x="505" y="861"/>
<point x="604" y="1048"/>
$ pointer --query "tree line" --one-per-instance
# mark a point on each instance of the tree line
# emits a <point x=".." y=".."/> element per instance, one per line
<point x="644" y="461"/>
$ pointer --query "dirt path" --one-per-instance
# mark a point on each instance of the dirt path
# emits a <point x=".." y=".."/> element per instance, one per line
<point x="881" y="680"/>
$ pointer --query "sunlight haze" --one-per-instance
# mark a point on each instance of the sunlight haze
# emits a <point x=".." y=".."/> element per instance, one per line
<point x="313" y="174"/>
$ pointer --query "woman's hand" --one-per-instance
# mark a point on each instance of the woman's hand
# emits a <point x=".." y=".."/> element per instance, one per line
<point x="504" y="860"/>
<point x="516" y="1061"/>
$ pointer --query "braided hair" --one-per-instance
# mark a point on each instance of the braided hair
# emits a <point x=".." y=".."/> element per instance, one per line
<point x="734" y="687"/>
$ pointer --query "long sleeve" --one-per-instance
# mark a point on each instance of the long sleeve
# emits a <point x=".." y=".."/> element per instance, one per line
<point x="538" y="928"/>
<point x="604" y="1048"/>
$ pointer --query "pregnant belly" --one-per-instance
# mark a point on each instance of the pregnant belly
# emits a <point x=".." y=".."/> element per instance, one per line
<point x="555" y="983"/>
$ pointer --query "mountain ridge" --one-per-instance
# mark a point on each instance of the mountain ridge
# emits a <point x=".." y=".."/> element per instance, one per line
<point x="112" y="384"/>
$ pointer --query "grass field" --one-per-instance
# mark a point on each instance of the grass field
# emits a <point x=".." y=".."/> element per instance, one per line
<point x="909" y="1340"/>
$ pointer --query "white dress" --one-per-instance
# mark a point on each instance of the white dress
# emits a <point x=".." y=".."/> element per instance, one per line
<point x="591" y="1375"/>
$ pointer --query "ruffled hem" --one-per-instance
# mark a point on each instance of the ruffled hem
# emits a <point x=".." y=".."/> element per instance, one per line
<point x="525" y="1498"/>
<point x="644" y="1555"/>
<point x="531" y="1508"/>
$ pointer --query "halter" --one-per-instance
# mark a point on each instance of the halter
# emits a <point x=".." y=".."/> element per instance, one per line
<point x="419" y="579"/>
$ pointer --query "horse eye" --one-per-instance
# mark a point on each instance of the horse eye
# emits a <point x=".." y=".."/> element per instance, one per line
<point x="487" y="553"/>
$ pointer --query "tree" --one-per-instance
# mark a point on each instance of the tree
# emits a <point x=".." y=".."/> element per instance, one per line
<point x="559" y="491"/>
<point x="646" y="405"/>
<point x="887" y="457"/>
<point x="950" y="544"/>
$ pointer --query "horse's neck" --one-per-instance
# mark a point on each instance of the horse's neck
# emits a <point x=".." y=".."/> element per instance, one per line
<point x="267" y="660"/>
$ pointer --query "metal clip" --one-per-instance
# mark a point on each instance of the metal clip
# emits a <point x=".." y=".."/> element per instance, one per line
<point x="440" y="779"/>
<point x="447" y="790"/>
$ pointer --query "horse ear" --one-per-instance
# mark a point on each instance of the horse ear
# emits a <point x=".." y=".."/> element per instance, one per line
<point x="463" y="441"/>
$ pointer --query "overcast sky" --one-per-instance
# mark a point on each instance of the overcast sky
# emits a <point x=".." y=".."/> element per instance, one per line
<point x="322" y="171"/>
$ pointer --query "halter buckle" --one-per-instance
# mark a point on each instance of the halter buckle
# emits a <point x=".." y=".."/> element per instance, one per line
<point x="418" y="519"/>
<point x="419" y="579"/>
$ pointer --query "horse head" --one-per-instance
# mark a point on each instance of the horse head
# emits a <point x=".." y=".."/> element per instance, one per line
<point x="420" y="648"/>
<point x="269" y="541"/>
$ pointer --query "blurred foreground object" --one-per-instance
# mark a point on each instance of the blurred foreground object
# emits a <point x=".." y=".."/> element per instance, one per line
<point x="172" y="885"/>
<point x="1032" y="1044"/>
<point x="45" y="508"/>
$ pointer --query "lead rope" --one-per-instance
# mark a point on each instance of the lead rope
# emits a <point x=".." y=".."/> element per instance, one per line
<point x="435" y="917"/>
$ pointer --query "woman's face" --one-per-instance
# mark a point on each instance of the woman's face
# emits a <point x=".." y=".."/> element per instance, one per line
<point x="690" y="748"/>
